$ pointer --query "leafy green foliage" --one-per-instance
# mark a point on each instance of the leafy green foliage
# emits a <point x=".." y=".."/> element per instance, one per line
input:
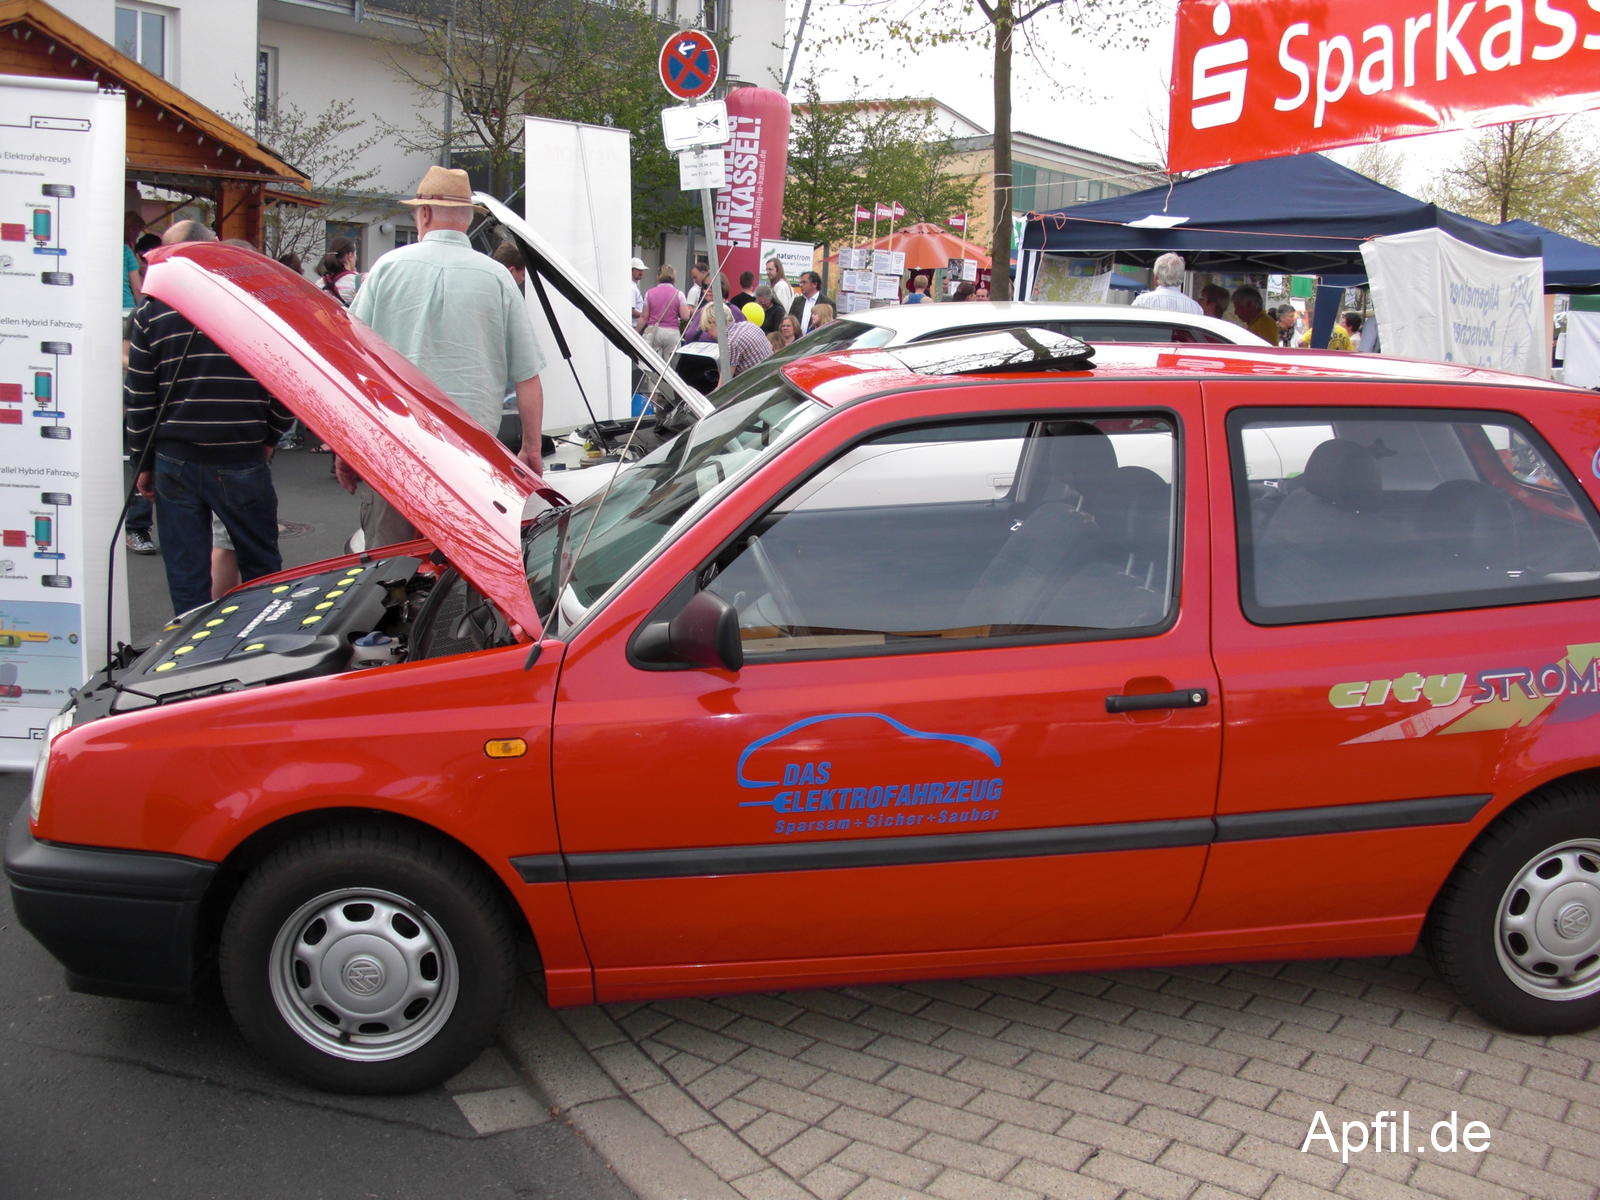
<point x="498" y="61"/>
<point x="841" y="155"/>
<point x="1541" y="171"/>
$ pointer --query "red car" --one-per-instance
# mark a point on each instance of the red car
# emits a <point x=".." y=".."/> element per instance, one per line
<point x="982" y="655"/>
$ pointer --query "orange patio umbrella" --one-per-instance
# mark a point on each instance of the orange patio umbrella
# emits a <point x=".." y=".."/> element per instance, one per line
<point x="927" y="247"/>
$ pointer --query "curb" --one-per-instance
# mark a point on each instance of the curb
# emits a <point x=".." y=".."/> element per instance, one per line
<point x="651" y="1162"/>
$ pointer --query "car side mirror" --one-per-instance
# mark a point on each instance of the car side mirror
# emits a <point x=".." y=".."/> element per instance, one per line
<point x="704" y="633"/>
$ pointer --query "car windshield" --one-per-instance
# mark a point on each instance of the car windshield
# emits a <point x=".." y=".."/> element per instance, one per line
<point x="574" y="556"/>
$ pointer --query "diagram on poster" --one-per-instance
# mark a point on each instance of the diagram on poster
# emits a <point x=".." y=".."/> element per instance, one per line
<point x="40" y="663"/>
<point x="62" y="153"/>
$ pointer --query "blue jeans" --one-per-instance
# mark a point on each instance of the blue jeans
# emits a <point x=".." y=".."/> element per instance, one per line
<point x="244" y="501"/>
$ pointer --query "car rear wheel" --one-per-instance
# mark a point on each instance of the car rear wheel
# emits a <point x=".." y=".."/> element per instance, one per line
<point x="1516" y="930"/>
<point x="367" y="959"/>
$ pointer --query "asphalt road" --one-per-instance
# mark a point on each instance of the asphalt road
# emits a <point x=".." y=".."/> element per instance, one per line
<point x="119" y="1098"/>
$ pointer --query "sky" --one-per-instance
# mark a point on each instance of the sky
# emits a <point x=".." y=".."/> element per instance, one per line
<point x="1085" y="96"/>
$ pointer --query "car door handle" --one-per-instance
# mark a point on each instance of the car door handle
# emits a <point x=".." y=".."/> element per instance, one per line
<point x="1187" y="698"/>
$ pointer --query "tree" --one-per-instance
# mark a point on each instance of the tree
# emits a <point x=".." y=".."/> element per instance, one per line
<point x="819" y="191"/>
<point x="324" y="146"/>
<point x="1381" y="163"/>
<point x="1541" y="171"/>
<point x="489" y="63"/>
<point x="904" y="156"/>
<point x="841" y="155"/>
<point x="916" y="24"/>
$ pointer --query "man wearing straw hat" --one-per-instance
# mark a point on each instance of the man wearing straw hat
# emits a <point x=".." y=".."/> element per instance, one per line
<point x="456" y="314"/>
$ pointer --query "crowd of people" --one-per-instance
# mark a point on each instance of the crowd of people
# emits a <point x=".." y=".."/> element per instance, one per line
<point x="774" y="308"/>
<point x="1285" y="325"/>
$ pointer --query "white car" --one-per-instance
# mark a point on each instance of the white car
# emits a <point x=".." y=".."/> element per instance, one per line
<point x="896" y="324"/>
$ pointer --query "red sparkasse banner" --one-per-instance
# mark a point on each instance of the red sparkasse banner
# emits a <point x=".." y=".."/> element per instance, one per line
<point x="750" y="207"/>
<point x="1262" y="78"/>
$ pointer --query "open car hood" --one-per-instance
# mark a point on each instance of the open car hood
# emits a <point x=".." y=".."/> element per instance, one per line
<point x="453" y="480"/>
<point x="548" y="269"/>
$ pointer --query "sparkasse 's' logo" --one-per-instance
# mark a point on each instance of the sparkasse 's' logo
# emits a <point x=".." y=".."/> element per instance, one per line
<point x="1220" y="71"/>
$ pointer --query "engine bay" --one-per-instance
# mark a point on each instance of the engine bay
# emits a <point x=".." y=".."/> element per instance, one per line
<point x="364" y="615"/>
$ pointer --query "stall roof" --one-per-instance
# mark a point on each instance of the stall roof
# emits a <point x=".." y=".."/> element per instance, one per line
<point x="1303" y="214"/>
<point x="1570" y="266"/>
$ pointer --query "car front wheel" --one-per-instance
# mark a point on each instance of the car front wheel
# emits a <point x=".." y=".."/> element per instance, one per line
<point x="367" y="959"/>
<point x="1516" y="930"/>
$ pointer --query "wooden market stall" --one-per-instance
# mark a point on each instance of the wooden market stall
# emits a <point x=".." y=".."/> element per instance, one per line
<point x="175" y="143"/>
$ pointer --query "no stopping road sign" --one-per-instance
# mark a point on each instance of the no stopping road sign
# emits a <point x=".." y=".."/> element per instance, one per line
<point x="689" y="64"/>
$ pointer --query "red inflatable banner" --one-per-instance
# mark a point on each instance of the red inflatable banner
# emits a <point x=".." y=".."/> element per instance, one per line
<point x="1262" y="78"/>
<point x="750" y="207"/>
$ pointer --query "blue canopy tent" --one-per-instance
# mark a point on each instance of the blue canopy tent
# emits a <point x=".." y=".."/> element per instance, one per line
<point x="1570" y="266"/>
<point x="1303" y="214"/>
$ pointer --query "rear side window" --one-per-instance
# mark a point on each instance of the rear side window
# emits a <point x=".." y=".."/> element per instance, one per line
<point x="1357" y="513"/>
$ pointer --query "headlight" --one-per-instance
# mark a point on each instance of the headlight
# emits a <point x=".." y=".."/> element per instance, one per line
<point x="59" y="724"/>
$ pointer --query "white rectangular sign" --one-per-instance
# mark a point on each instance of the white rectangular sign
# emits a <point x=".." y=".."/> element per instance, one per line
<point x="688" y="126"/>
<point x="577" y="181"/>
<point x="701" y="170"/>
<point x="62" y="149"/>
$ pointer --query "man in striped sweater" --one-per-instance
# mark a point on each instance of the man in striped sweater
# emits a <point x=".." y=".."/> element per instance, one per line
<point x="211" y="429"/>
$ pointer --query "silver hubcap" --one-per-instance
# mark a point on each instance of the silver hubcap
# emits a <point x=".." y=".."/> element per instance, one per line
<point x="1548" y="935"/>
<point x="363" y="975"/>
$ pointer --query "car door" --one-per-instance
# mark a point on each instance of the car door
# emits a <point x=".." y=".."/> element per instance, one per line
<point x="1403" y="602"/>
<point x="966" y="730"/>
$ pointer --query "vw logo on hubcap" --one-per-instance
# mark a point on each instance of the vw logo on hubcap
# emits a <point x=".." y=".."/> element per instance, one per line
<point x="363" y="975"/>
<point x="1573" y="920"/>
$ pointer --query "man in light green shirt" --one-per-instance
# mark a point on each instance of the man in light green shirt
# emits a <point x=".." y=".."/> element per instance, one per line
<point x="457" y="316"/>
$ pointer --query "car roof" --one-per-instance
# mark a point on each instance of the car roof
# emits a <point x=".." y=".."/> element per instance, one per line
<point x="848" y="376"/>
<point x="912" y="321"/>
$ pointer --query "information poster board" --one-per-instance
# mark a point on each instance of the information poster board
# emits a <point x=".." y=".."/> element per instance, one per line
<point x="579" y="199"/>
<point x="62" y="149"/>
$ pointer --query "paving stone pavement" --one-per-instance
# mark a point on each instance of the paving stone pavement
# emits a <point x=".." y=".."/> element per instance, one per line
<point x="1199" y="1083"/>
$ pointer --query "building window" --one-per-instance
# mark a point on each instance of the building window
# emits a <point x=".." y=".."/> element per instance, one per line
<point x="404" y="235"/>
<point x="143" y="34"/>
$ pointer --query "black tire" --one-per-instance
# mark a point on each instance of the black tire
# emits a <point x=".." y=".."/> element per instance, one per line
<point x="1516" y="929"/>
<point x="404" y="996"/>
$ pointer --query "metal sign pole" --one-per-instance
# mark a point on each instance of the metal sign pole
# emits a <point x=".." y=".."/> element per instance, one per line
<point x="724" y="318"/>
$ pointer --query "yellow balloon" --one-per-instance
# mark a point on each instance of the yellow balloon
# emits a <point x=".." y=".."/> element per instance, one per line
<point x="754" y="313"/>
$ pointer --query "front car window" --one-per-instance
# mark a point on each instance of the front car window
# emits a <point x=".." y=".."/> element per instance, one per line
<point x="577" y="555"/>
<point x="1356" y="513"/>
<point x="941" y="536"/>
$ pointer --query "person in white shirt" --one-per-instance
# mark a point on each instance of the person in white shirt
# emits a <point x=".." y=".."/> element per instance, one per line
<point x="782" y="292"/>
<point x="1168" y="292"/>
<point x="638" y="296"/>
